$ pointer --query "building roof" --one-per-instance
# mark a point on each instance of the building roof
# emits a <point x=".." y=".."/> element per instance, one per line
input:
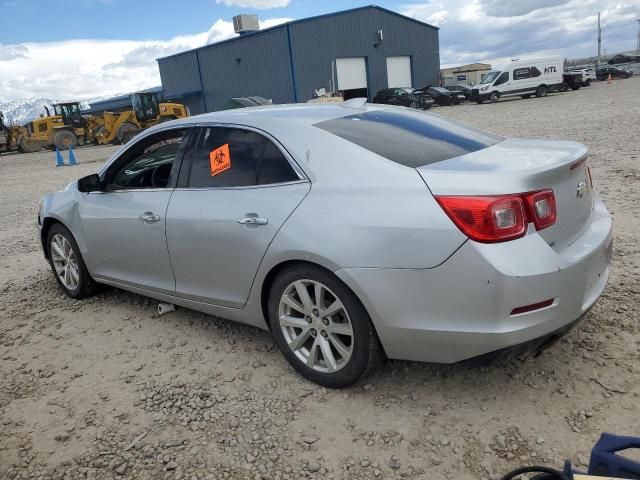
<point x="469" y="67"/>
<point x="302" y="20"/>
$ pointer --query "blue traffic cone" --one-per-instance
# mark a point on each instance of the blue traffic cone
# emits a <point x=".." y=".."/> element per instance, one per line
<point x="59" y="160"/>
<point x="72" y="157"/>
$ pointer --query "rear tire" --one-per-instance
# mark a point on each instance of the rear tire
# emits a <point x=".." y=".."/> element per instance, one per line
<point x="63" y="139"/>
<point x="345" y="338"/>
<point x="541" y="91"/>
<point x="27" y="145"/>
<point x="67" y="263"/>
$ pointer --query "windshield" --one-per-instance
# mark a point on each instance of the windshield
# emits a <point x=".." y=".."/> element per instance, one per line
<point x="490" y="77"/>
<point x="408" y="90"/>
<point x="67" y="109"/>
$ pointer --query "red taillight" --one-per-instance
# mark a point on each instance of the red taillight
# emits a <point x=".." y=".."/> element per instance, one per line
<point x="498" y="218"/>
<point x="542" y="208"/>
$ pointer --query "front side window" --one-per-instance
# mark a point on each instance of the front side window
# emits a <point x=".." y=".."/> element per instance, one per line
<point x="147" y="164"/>
<point x="521" y="73"/>
<point x="413" y="140"/>
<point x="234" y="157"/>
<point x="504" y="78"/>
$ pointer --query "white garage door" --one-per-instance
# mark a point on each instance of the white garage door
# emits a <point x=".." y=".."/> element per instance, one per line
<point x="398" y="72"/>
<point x="352" y="73"/>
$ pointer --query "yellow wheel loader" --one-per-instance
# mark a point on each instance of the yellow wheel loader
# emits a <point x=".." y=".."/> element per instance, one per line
<point x="146" y="112"/>
<point x="65" y="128"/>
<point x="4" y="136"/>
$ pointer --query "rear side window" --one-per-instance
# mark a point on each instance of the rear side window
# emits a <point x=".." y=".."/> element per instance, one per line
<point x="233" y="157"/>
<point x="410" y="139"/>
<point x="521" y="73"/>
<point x="535" y="72"/>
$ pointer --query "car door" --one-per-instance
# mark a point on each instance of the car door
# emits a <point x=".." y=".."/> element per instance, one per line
<point x="124" y="223"/>
<point x="236" y="189"/>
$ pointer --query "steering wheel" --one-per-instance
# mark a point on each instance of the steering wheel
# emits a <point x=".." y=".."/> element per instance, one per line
<point x="160" y="176"/>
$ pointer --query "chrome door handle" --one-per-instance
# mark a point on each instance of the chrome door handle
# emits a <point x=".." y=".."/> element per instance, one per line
<point x="149" y="217"/>
<point x="253" y="219"/>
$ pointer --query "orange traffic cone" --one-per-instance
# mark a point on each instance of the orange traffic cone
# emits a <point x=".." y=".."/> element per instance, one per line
<point x="609" y="79"/>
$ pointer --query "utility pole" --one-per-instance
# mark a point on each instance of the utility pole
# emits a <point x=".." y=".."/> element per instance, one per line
<point x="599" y="42"/>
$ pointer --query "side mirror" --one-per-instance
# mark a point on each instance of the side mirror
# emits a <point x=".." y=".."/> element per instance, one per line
<point x="90" y="183"/>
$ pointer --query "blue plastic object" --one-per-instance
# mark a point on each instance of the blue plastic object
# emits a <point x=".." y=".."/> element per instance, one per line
<point x="72" y="157"/>
<point x="605" y="462"/>
<point x="59" y="160"/>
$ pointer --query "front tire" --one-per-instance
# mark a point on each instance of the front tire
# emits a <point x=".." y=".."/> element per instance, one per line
<point x="494" y="97"/>
<point x="321" y="327"/>
<point x="67" y="263"/>
<point x="63" y="139"/>
<point x="126" y="132"/>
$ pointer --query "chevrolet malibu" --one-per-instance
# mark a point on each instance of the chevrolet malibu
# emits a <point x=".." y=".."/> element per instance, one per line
<point x="351" y="232"/>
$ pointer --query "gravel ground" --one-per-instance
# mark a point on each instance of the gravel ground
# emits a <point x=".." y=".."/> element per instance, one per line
<point x="106" y="389"/>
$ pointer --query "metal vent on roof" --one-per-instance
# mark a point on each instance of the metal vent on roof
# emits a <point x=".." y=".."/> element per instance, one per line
<point x="246" y="23"/>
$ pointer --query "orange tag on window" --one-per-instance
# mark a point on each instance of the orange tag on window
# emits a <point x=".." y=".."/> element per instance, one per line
<point x="220" y="160"/>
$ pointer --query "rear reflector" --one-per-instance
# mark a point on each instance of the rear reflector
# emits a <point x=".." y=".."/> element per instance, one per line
<point x="498" y="218"/>
<point x="532" y="307"/>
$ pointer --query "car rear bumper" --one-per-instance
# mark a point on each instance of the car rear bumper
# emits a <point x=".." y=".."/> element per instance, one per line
<point x="463" y="308"/>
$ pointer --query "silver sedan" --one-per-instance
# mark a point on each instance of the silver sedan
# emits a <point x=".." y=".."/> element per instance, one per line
<point x="352" y="232"/>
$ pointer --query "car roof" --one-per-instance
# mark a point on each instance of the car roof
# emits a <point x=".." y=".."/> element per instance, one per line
<point x="306" y="113"/>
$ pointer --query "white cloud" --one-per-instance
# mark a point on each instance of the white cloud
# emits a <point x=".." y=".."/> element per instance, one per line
<point x="259" y="4"/>
<point x="488" y="30"/>
<point x="83" y="69"/>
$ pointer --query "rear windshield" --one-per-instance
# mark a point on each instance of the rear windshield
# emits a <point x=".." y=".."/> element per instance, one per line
<point x="410" y="139"/>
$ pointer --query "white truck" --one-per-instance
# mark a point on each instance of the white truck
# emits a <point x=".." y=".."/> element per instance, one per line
<point x="520" y="77"/>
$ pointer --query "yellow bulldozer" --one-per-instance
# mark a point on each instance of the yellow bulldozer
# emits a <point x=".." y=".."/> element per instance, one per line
<point x="67" y="127"/>
<point x="146" y="112"/>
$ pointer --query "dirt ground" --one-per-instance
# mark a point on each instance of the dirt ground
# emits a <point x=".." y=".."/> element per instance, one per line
<point x="105" y="388"/>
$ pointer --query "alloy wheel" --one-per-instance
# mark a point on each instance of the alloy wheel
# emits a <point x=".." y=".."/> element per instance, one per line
<point x="316" y="326"/>
<point x="65" y="262"/>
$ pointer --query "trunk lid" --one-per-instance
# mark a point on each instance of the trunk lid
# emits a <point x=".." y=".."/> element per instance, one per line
<point x="519" y="166"/>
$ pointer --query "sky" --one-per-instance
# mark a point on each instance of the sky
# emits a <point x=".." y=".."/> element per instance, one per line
<point x="87" y="49"/>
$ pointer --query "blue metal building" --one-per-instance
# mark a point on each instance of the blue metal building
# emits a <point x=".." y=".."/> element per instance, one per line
<point x="357" y="52"/>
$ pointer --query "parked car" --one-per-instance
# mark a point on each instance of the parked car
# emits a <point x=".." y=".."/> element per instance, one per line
<point x="463" y="89"/>
<point x="405" y="97"/>
<point x="571" y="80"/>
<point x="441" y="95"/>
<point x="523" y="77"/>
<point x="621" y="58"/>
<point x="603" y="73"/>
<point x="588" y="75"/>
<point x="350" y="232"/>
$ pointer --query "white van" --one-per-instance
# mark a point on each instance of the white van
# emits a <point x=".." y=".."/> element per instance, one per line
<point x="524" y="77"/>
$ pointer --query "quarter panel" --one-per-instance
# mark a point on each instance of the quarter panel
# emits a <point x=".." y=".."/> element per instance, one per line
<point x="364" y="210"/>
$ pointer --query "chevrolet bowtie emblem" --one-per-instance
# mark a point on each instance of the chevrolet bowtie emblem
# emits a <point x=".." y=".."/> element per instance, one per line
<point x="581" y="189"/>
